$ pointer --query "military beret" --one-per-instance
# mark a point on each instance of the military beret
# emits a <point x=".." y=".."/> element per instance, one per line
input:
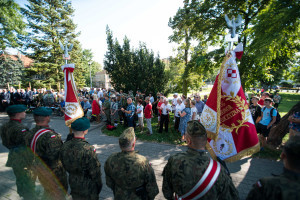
<point x="81" y="124"/>
<point x="292" y="146"/>
<point x="16" y="109"/>
<point x="195" y="128"/>
<point x="126" y="137"/>
<point x="42" y="111"/>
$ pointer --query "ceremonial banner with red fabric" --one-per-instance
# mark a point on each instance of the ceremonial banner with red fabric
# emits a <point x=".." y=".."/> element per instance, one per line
<point x="72" y="105"/>
<point x="226" y="116"/>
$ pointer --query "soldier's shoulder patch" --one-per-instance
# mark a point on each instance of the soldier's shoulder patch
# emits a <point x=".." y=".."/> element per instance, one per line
<point x="24" y="130"/>
<point x="53" y="136"/>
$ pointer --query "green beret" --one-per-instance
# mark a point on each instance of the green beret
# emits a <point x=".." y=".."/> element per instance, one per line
<point x="292" y="146"/>
<point x="42" y="111"/>
<point x="195" y="128"/>
<point x="16" y="109"/>
<point x="81" y="124"/>
<point x="126" y="137"/>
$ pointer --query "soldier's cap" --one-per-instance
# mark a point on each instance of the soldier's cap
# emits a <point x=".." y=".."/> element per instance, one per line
<point x="81" y="124"/>
<point x="292" y="146"/>
<point x="195" y="128"/>
<point x="16" y="109"/>
<point x="42" y="111"/>
<point x="256" y="97"/>
<point x="126" y="137"/>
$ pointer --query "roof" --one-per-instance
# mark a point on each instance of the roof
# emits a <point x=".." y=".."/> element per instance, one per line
<point x="27" y="62"/>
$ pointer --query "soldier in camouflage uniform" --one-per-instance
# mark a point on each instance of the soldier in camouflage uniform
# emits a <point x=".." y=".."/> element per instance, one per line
<point x="45" y="143"/>
<point x="184" y="171"/>
<point x="12" y="134"/>
<point x="129" y="174"/>
<point x="287" y="185"/>
<point x="106" y="108"/>
<point x="80" y="160"/>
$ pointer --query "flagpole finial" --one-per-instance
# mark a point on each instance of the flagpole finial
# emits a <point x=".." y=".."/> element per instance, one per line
<point x="232" y="37"/>
<point x="66" y="50"/>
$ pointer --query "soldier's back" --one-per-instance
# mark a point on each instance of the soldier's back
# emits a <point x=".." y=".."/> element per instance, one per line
<point x="184" y="170"/>
<point x="284" y="187"/>
<point x="80" y="160"/>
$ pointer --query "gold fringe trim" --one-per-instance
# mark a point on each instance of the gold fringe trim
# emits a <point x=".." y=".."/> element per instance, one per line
<point x="212" y="135"/>
<point x="246" y="152"/>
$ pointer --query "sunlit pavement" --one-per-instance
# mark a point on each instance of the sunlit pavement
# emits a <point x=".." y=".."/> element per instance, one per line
<point x="244" y="173"/>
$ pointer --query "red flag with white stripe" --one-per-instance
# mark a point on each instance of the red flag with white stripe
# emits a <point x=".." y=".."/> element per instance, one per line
<point x="226" y="116"/>
<point x="73" y="109"/>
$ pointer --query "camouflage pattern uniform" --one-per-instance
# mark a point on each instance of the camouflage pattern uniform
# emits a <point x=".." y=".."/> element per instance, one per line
<point x="286" y="185"/>
<point x="106" y="108"/>
<point x="129" y="174"/>
<point x="12" y="134"/>
<point x="126" y="171"/>
<point x="184" y="170"/>
<point x="48" y="147"/>
<point x="81" y="162"/>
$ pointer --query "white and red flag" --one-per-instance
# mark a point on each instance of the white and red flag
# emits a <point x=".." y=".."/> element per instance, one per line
<point x="226" y="116"/>
<point x="72" y="105"/>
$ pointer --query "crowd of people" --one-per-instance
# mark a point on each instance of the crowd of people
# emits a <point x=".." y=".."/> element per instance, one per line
<point x="192" y="174"/>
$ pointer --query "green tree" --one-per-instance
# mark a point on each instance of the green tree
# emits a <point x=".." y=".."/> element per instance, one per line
<point x="269" y="34"/>
<point x="49" y="23"/>
<point x="11" y="24"/>
<point x="89" y="64"/>
<point x="131" y="69"/>
<point x="11" y="70"/>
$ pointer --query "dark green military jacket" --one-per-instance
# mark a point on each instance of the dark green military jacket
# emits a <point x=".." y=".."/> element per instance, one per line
<point x="126" y="171"/>
<point x="80" y="160"/>
<point x="184" y="170"/>
<point x="106" y="105"/>
<point x="48" y="146"/>
<point x="13" y="137"/>
<point x="284" y="186"/>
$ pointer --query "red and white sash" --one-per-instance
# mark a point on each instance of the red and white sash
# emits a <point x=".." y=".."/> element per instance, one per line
<point x="205" y="183"/>
<point x="36" y="136"/>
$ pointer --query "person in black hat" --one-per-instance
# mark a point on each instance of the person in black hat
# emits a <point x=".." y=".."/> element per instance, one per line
<point x="45" y="143"/>
<point x="13" y="137"/>
<point x="80" y="160"/>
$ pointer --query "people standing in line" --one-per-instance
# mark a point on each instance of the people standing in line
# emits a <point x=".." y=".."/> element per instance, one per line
<point x="199" y="105"/>
<point x="114" y="111"/>
<point x="140" y="114"/>
<point x="194" y="174"/>
<point x="106" y="108"/>
<point x="161" y="101"/>
<point x="151" y="98"/>
<point x="255" y="109"/>
<point x="86" y="105"/>
<point x="268" y="118"/>
<point x="174" y="102"/>
<point x="285" y="186"/>
<point x="45" y="144"/>
<point x="129" y="174"/>
<point x="13" y="137"/>
<point x="185" y="116"/>
<point x="204" y="99"/>
<point x="80" y="160"/>
<point x="164" y="120"/>
<point x="179" y="107"/>
<point x="129" y="112"/>
<point x="194" y="111"/>
<point x="148" y="115"/>
<point x="96" y="108"/>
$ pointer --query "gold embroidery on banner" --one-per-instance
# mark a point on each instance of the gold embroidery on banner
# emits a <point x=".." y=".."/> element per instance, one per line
<point x="71" y="109"/>
<point x="242" y="107"/>
<point x="208" y="118"/>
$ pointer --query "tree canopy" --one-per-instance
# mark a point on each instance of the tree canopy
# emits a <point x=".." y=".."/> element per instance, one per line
<point x="133" y="69"/>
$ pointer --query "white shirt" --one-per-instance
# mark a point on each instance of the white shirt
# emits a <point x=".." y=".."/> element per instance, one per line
<point x="100" y="94"/>
<point x="138" y="108"/>
<point x="174" y="102"/>
<point x="164" y="107"/>
<point x="100" y="104"/>
<point x="179" y="107"/>
<point x="152" y="99"/>
<point x="193" y="110"/>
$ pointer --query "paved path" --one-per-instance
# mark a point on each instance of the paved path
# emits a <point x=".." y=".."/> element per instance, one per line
<point x="244" y="172"/>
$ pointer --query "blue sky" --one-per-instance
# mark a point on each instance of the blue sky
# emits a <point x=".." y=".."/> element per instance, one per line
<point x="139" y="20"/>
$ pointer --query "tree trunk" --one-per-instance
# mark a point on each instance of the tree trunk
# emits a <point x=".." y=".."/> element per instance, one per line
<point x="184" y="87"/>
<point x="280" y="130"/>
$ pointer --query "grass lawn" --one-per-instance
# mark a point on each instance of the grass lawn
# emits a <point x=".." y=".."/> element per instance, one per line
<point x="173" y="137"/>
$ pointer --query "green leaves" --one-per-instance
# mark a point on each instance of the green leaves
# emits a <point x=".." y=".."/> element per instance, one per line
<point x="133" y="69"/>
